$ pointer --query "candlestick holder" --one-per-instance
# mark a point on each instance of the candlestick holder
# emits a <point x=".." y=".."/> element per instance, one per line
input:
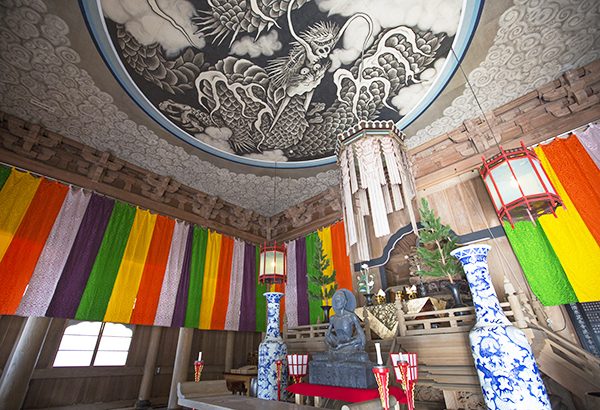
<point x="382" y="376"/>
<point x="408" y="385"/>
<point x="406" y="372"/>
<point x="198" y="366"/>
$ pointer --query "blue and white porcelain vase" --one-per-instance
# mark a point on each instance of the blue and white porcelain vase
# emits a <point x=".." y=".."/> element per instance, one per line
<point x="507" y="370"/>
<point x="270" y="350"/>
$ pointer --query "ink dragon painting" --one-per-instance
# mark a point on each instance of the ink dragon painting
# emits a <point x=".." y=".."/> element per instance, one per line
<point x="279" y="80"/>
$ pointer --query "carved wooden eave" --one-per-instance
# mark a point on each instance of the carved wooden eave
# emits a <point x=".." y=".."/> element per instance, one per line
<point x="31" y="147"/>
<point x="562" y="105"/>
<point x="308" y="216"/>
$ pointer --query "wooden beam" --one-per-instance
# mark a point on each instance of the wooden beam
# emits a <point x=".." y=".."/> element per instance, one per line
<point x="560" y="106"/>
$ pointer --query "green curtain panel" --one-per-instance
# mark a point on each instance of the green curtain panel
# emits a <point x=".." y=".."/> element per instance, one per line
<point x="4" y="173"/>
<point x="192" y="314"/>
<point x="104" y="272"/>
<point x="261" y="302"/>
<point x="314" y="306"/>
<point x="540" y="264"/>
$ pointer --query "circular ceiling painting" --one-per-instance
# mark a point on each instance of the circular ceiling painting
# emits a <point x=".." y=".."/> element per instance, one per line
<point x="276" y="81"/>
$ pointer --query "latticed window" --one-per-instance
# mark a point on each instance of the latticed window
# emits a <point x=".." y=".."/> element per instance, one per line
<point x="94" y="344"/>
<point x="586" y="319"/>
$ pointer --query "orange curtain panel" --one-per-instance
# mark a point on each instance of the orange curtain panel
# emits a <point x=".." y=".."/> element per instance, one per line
<point x="27" y="243"/>
<point x="580" y="178"/>
<point x="574" y="245"/>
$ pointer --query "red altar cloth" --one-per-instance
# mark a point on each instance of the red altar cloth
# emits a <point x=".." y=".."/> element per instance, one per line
<point x="343" y="393"/>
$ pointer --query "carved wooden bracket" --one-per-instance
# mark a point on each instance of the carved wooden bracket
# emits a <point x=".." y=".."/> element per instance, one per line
<point x="318" y="211"/>
<point x="31" y="147"/>
<point x="561" y="105"/>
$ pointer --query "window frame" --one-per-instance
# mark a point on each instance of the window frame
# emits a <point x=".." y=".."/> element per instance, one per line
<point x="73" y="322"/>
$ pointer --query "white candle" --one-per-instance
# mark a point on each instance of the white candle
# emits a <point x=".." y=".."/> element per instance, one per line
<point x="199" y="356"/>
<point x="379" y="360"/>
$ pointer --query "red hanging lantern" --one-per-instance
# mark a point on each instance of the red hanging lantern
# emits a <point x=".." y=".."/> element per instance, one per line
<point x="273" y="268"/>
<point x="518" y="185"/>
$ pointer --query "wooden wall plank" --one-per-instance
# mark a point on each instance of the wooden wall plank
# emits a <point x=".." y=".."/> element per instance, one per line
<point x="52" y="387"/>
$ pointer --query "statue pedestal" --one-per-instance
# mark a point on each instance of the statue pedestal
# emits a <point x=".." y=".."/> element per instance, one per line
<point x="342" y="369"/>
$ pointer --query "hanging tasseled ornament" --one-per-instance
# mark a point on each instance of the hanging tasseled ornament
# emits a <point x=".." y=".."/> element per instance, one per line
<point x="376" y="182"/>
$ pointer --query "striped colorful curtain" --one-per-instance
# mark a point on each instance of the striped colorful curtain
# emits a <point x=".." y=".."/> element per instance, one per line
<point x="300" y="309"/>
<point x="561" y="256"/>
<point x="69" y="253"/>
<point x="65" y="252"/>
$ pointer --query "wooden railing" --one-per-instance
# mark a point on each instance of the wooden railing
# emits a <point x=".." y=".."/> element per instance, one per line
<point x="421" y="323"/>
<point x="442" y="321"/>
<point x="306" y="338"/>
<point x="437" y="331"/>
<point x="307" y="332"/>
<point x="569" y="364"/>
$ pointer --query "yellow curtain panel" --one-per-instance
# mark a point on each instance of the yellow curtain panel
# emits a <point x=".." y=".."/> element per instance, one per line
<point x="211" y="271"/>
<point x="572" y="242"/>
<point x="325" y="237"/>
<point x="130" y="272"/>
<point x="15" y="197"/>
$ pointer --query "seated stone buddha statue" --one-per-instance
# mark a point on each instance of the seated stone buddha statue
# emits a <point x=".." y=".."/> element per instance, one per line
<point x="345" y="364"/>
<point x="344" y="333"/>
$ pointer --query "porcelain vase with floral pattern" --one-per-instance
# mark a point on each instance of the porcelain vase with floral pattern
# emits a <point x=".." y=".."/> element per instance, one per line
<point x="507" y="370"/>
<point x="270" y="350"/>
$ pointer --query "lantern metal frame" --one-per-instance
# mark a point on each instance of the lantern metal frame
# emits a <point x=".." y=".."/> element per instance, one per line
<point x="526" y="206"/>
<point x="272" y="278"/>
<point x="298" y="366"/>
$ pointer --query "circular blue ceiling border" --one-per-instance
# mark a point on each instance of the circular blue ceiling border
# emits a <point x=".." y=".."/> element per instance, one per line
<point x="94" y="20"/>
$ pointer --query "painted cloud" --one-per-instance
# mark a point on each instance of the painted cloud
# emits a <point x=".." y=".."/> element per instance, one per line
<point x="151" y="22"/>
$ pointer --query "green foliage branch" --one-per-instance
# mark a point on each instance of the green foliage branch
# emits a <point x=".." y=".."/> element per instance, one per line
<point x="436" y="243"/>
<point x="326" y="284"/>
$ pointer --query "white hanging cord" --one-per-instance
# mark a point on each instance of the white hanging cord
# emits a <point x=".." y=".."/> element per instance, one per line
<point x="480" y="209"/>
<point x="476" y="100"/>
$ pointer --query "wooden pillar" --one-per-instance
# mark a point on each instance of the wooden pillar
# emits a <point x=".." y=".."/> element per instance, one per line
<point x="143" y="401"/>
<point x="229" y="350"/>
<point x="450" y="399"/>
<point x="182" y="363"/>
<point x="17" y="372"/>
<point x="367" y="324"/>
<point x="515" y="304"/>
<point x="401" y="320"/>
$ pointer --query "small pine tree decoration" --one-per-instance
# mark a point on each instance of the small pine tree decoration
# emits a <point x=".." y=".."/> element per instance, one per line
<point x="327" y="284"/>
<point x="436" y="243"/>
